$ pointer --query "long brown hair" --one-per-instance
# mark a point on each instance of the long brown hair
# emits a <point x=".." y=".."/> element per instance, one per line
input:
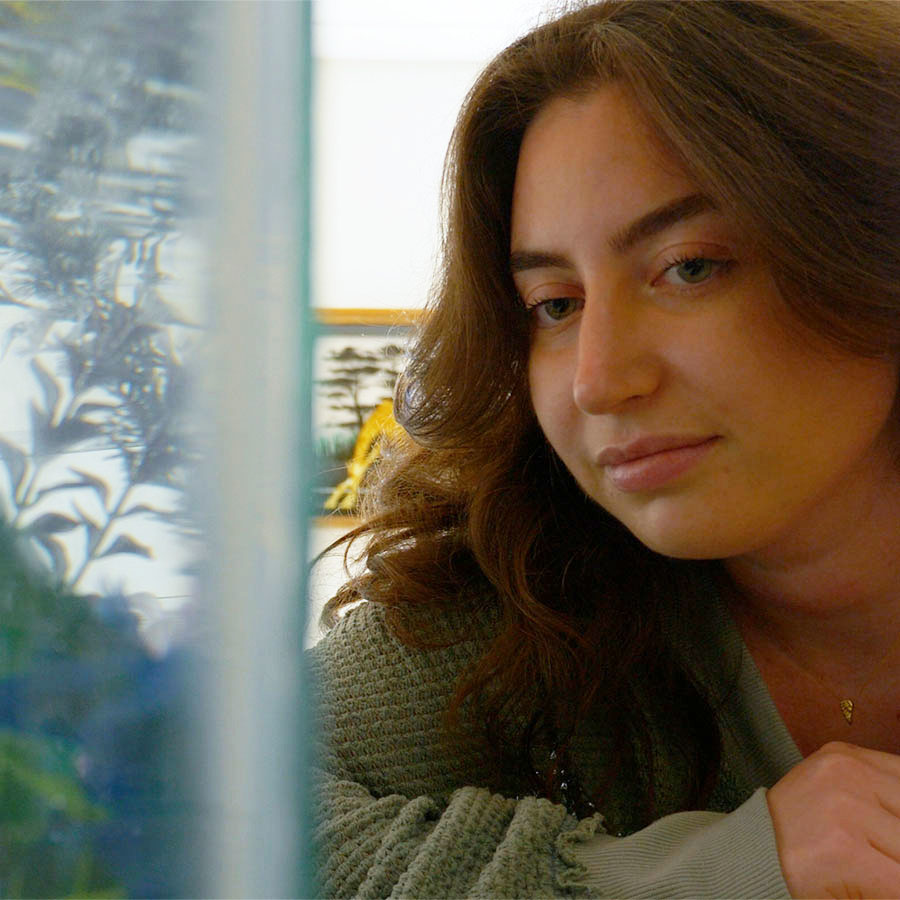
<point x="784" y="112"/>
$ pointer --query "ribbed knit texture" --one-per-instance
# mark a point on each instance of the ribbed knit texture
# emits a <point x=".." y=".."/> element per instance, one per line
<point x="401" y="812"/>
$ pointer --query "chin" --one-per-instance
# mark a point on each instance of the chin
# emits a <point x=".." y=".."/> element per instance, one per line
<point x="680" y="548"/>
<point x="697" y="541"/>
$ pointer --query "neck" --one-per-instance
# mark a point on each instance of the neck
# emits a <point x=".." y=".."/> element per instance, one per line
<point x="830" y="593"/>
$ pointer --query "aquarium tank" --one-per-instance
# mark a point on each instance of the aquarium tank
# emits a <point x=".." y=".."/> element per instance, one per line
<point x="153" y="198"/>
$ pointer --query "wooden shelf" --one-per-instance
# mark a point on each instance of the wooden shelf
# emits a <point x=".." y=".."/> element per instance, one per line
<point x="338" y="316"/>
<point x="338" y="521"/>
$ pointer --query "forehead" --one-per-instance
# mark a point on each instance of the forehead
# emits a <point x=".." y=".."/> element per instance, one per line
<point x="593" y="154"/>
<point x="608" y="112"/>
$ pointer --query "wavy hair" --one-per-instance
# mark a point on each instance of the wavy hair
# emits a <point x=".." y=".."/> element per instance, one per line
<point x="784" y="112"/>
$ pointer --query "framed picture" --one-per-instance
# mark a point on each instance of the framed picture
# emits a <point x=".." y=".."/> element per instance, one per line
<point x="357" y="358"/>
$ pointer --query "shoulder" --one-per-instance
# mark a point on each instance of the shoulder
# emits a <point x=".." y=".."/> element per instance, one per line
<point x="382" y="702"/>
<point x="368" y="643"/>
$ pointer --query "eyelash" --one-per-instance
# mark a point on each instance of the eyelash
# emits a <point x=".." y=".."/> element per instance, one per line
<point x="719" y="266"/>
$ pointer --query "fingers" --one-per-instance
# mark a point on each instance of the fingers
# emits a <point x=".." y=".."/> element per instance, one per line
<point x="839" y="768"/>
<point x="888" y="763"/>
<point x="873" y="876"/>
<point x="837" y="823"/>
<point x="882" y="832"/>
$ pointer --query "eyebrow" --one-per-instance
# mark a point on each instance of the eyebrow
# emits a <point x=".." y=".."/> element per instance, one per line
<point x="625" y="238"/>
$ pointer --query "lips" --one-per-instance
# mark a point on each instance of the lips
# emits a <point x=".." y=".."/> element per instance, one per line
<point x="647" y="446"/>
<point x="651" y="462"/>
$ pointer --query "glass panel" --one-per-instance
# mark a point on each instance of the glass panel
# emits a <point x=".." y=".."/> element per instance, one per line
<point x="149" y="658"/>
<point x="262" y="447"/>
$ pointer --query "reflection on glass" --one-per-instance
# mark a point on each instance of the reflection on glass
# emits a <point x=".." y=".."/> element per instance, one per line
<point x="97" y="316"/>
<point x="99" y="108"/>
<point x="150" y="739"/>
<point x="108" y="168"/>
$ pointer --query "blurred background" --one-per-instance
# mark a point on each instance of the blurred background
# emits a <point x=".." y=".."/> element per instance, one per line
<point x="217" y="225"/>
<point x="389" y="79"/>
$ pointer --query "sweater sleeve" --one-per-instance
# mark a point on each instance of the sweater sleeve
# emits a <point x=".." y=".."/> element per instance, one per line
<point x="690" y="854"/>
<point x="485" y="845"/>
<point x="398" y="810"/>
<point x="401" y="814"/>
<point x="478" y="844"/>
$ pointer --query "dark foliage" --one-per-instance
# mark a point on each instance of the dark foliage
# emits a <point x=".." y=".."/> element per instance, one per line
<point x="93" y="755"/>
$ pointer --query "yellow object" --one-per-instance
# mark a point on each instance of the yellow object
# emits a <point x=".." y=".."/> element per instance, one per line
<point x="379" y="427"/>
<point x="9" y="80"/>
<point x="27" y="10"/>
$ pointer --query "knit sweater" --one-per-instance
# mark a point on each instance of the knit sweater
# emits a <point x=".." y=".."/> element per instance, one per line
<point x="402" y="813"/>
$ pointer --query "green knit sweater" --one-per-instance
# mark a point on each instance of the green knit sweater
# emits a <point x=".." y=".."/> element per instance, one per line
<point x="401" y="813"/>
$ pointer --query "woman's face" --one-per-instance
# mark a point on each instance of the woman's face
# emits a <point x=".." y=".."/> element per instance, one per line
<point x="661" y="369"/>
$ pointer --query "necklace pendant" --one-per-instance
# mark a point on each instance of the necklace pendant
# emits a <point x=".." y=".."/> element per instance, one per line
<point x="847" y="710"/>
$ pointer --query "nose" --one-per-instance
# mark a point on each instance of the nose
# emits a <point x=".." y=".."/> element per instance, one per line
<point x="617" y="359"/>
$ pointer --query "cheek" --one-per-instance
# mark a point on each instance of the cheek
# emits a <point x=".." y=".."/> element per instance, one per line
<point x="549" y="392"/>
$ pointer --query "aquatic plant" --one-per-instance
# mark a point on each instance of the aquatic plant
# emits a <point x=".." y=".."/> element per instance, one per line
<point x="90" y="220"/>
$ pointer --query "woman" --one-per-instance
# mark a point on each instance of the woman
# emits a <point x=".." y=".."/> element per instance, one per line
<point x="634" y="606"/>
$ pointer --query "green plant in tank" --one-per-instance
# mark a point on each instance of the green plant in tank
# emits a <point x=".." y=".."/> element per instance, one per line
<point x="44" y="802"/>
<point x="88" y="243"/>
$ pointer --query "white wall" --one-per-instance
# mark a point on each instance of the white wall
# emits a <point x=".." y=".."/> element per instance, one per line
<point x="381" y="130"/>
<point x="389" y="80"/>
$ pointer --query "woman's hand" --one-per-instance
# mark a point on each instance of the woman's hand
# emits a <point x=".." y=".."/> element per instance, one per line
<point x="837" y="823"/>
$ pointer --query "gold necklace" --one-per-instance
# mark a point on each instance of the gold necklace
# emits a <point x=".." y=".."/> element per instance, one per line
<point x="847" y="705"/>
